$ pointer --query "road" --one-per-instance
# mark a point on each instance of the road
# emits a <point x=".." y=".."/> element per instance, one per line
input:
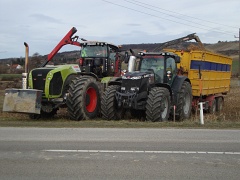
<point x="99" y="153"/>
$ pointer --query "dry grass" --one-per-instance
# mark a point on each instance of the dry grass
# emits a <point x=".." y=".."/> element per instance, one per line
<point x="228" y="118"/>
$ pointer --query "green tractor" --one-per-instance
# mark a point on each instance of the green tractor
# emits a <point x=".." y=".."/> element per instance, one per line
<point x="76" y="87"/>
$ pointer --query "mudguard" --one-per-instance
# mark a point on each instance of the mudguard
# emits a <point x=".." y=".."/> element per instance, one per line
<point x="176" y="86"/>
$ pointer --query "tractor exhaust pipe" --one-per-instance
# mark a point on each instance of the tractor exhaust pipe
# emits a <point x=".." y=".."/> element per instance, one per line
<point x="25" y="74"/>
<point x="131" y="63"/>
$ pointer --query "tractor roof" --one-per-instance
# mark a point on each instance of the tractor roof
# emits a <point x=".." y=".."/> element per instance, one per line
<point x="100" y="43"/>
<point x="142" y="53"/>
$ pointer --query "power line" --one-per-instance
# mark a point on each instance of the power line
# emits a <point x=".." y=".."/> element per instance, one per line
<point x="163" y="18"/>
<point x="185" y="15"/>
<point x="171" y="15"/>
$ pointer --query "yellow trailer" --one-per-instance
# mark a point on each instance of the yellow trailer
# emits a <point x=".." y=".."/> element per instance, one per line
<point x="209" y="74"/>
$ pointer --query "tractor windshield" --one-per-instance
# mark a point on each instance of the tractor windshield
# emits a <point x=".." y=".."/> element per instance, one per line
<point x="94" y="51"/>
<point x="155" y="64"/>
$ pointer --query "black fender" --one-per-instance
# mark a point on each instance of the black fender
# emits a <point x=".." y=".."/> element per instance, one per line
<point x="115" y="81"/>
<point x="176" y="86"/>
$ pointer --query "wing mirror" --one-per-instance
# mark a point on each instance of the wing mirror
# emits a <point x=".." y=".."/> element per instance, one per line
<point x="126" y="57"/>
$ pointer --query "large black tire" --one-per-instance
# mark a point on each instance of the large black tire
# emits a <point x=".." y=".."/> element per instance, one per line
<point x="83" y="100"/>
<point x="109" y="106"/>
<point x="184" y="105"/>
<point x="158" y="104"/>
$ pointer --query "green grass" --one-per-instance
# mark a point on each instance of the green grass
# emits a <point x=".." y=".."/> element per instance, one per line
<point x="229" y="118"/>
<point x="24" y="121"/>
<point x="9" y="77"/>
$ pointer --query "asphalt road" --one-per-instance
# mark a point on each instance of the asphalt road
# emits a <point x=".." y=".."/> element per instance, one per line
<point x="47" y="153"/>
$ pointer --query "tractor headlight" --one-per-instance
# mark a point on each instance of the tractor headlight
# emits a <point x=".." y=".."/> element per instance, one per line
<point x="123" y="88"/>
<point x="136" y="77"/>
<point x="134" y="89"/>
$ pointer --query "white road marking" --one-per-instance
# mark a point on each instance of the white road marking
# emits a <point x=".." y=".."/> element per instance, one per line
<point x="145" y="152"/>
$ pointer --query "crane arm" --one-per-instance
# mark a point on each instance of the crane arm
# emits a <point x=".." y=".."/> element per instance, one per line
<point x="67" y="39"/>
<point x="182" y="39"/>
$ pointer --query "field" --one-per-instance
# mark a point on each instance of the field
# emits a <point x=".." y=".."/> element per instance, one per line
<point x="228" y="118"/>
<point x="9" y="77"/>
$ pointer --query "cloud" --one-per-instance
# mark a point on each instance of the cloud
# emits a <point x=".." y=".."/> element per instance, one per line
<point x="133" y="24"/>
<point x="44" y="24"/>
<point x="44" y="18"/>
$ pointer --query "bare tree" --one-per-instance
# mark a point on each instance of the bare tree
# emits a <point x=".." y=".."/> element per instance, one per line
<point x="35" y="61"/>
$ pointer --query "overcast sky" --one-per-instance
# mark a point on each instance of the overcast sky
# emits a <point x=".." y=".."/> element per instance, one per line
<point x="43" y="23"/>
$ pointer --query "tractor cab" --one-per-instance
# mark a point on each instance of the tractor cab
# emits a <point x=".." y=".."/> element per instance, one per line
<point x="162" y="65"/>
<point x="100" y="58"/>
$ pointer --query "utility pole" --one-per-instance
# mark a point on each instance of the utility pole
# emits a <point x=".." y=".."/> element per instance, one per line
<point x="238" y="54"/>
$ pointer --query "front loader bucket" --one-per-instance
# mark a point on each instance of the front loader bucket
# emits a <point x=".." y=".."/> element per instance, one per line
<point x="22" y="101"/>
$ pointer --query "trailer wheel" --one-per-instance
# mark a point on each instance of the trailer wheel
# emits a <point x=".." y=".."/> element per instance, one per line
<point x="109" y="106"/>
<point x="184" y="105"/>
<point x="212" y="108"/>
<point x="219" y="104"/>
<point x="83" y="100"/>
<point x="158" y="104"/>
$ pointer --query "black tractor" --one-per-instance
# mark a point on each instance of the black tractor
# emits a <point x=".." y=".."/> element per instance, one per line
<point x="151" y="88"/>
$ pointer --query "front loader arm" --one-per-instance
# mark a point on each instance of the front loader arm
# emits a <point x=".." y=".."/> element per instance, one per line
<point x="68" y="39"/>
<point x="180" y="40"/>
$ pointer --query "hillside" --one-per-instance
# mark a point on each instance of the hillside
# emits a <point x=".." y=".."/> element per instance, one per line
<point x="226" y="48"/>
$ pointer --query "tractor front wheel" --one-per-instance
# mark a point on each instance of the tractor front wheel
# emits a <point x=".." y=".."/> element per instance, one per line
<point x="158" y="104"/>
<point x="109" y="105"/>
<point x="83" y="100"/>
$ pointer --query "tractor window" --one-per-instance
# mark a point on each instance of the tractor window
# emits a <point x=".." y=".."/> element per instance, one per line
<point x="152" y="63"/>
<point x="94" y="51"/>
<point x="171" y="65"/>
<point x="170" y="69"/>
<point x="112" y="55"/>
<point x="156" y="64"/>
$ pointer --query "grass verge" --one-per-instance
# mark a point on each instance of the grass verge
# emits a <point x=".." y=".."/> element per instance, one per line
<point x="62" y="121"/>
<point x="229" y="118"/>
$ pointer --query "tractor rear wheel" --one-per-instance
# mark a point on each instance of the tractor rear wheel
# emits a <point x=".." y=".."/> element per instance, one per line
<point x="158" y="104"/>
<point x="184" y="105"/>
<point x="83" y="100"/>
<point x="109" y="105"/>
